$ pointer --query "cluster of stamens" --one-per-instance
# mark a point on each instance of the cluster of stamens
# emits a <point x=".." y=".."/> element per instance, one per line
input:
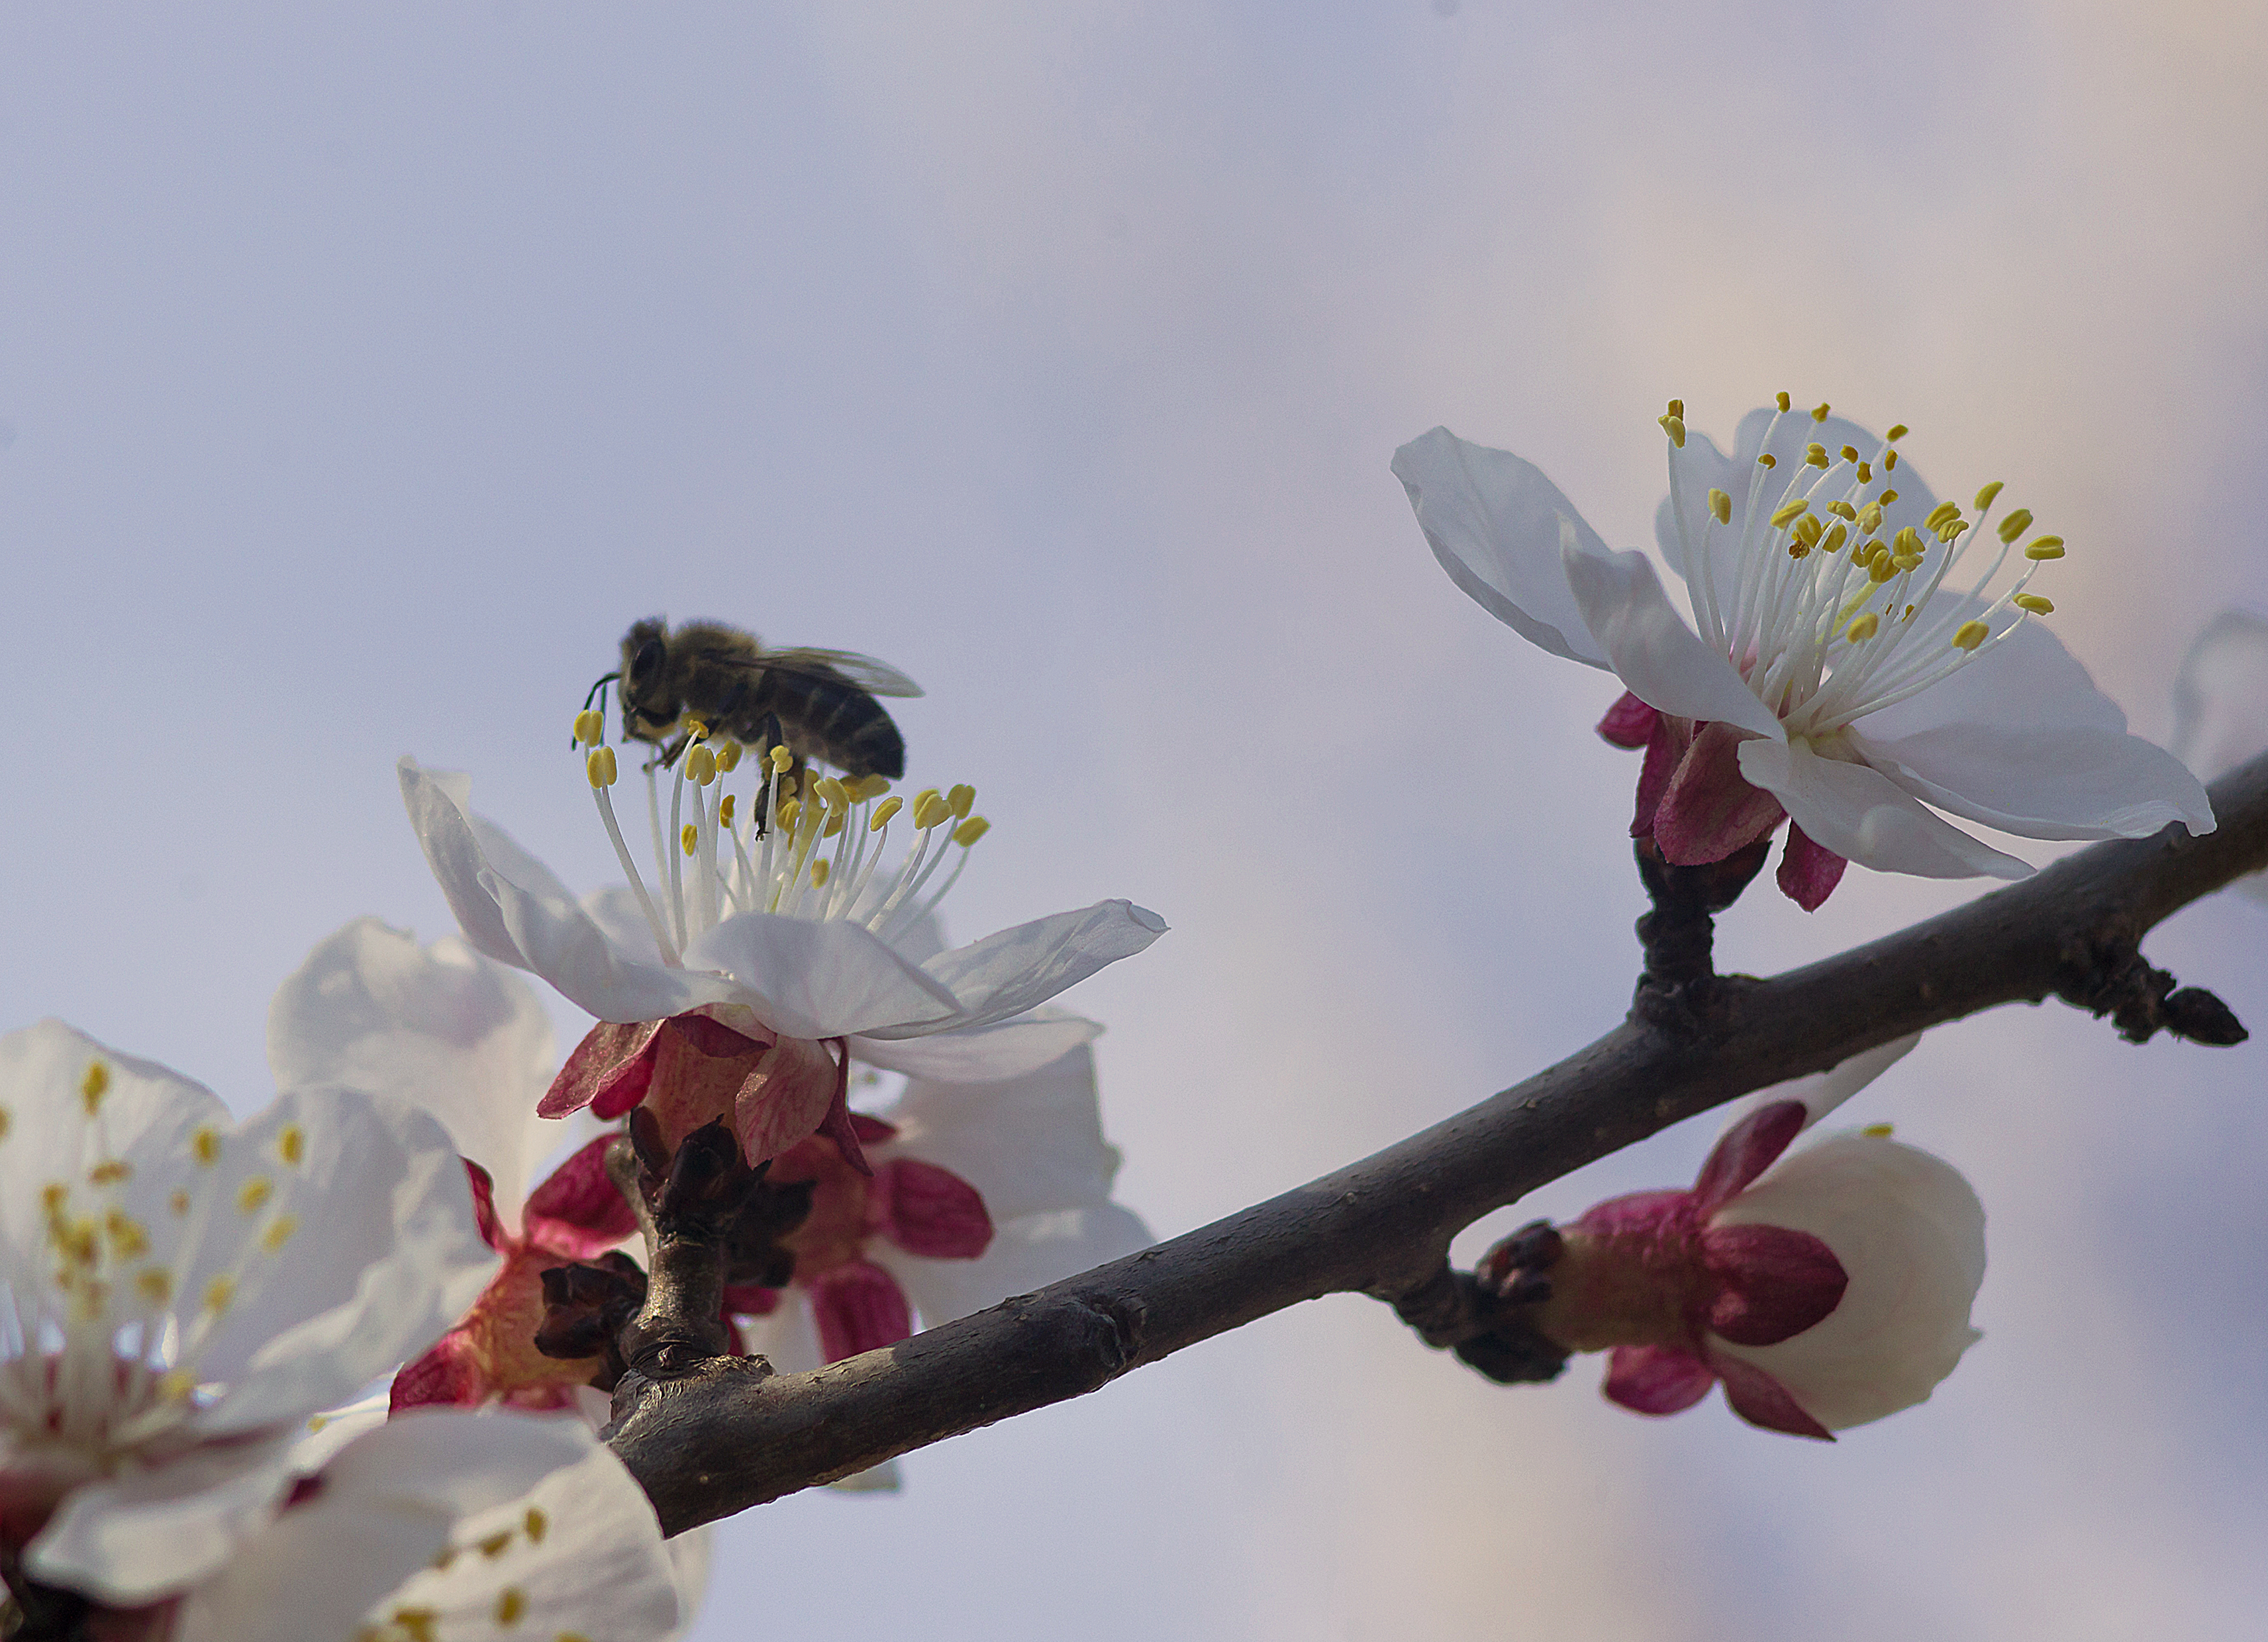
<point x="819" y="857"/>
<point x="114" y="1364"/>
<point x="1829" y="618"/>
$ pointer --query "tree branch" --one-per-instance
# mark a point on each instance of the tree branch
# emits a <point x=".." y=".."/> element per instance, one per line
<point x="717" y="1438"/>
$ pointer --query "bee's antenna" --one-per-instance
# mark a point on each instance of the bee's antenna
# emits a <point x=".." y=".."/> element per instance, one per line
<point x="598" y="693"/>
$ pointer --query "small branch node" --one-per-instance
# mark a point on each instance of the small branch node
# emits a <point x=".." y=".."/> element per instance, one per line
<point x="2143" y="1001"/>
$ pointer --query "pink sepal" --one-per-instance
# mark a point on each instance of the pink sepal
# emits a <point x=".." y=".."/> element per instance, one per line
<point x="484" y="1214"/>
<point x="1772" y="1282"/>
<point x="1708" y="810"/>
<point x="859" y="1307"/>
<point x="1745" y="1151"/>
<point x="448" y="1375"/>
<point x="609" y="1057"/>
<point x="872" y="1130"/>
<point x="1663" y="751"/>
<point x="925" y="1210"/>
<point x="1808" y="872"/>
<point x="1761" y="1400"/>
<point x="795" y="1092"/>
<point x="1655" y="1213"/>
<point x="578" y="1211"/>
<point x="545" y="1399"/>
<point x="1656" y="1378"/>
<point x="1629" y="723"/>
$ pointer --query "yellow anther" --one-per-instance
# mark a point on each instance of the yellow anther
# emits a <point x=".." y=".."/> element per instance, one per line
<point x="961" y="799"/>
<point x="510" y="1604"/>
<point x="1675" y="426"/>
<point x="109" y="1174"/>
<point x="1783" y="400"/>
<point x="725" y="811"/>
<point x="1878" y="1131"/>
<point x="2033" y="603"/>
<point x="1890" y="460"/>
<point x="1941" y="512"/>
<point x="1907" y="541"/>
<point x="1808" y="528"/>
<point x="218" y="1293"/>
<point x="1787" y="511"/>
<point x="688" y="838"/>
<point x="590" y="727"/>
<point x="701" y="766"/>
<point x="1909" y="615"/>
<point x="92" y="1086"/>
<point x="728" y="755"/>
<point x="1884" y="567"/>
<point x="53" y="1195"/>
<point x="781" y="758"/>
<point x="883" y="811"/>
<point x="1722" y="505"/>
<point x="1886" y="498"/>
<point x="599" y="766"/>
<point x="418" y="1624"/>
<point x="1871" y="519"/>
<point x="1898" y="431"/>
<point x="205" y="1143"/>
<point x="175" y="1385"/>
<point x="1984" y="497"/>
<point x="1950" y="530"/>
<point x="278" y="1233"/>
<point x="253" y="1194"/>
<point x="493" y="1545"/>
<point x="1842" y="509"/>
<point x="695" y="730"/>
<point x="819" y="871"/>
<point x="1819" y="411"/>
<point x="930" y="807"/>
<point x="1677" y="409"/>
<point x="789" y="811"/>
<point x="4" y="1121"/>
<point x="1815" y="454"/>
<point x="1862" y="628"/>
<point x="291" y="1145"/>
<point x="1765" y="460"/>
<point x="537" y="1524"/>
<point x="1849" y="452"/>
<point x="970" y="830"/>
<point x="570" y="1636"/>
<point x="129" y="1240"/>
<point x="830" y="792"/>
<point x="157" y="1286"/>
<point x="1971" y="635"/>
<point x="1865" y="473"/>
<point x="835" y="818"/>
<point x="2015" y="525"/>
<point x="1834" y="538"/>
<point x="2045" y="547"/>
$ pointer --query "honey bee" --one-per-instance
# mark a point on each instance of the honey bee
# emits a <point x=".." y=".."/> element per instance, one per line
<point x="818" y="703"/>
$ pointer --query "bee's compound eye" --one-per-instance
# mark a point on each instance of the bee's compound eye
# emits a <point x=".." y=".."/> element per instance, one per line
<point x="645" y="666"/>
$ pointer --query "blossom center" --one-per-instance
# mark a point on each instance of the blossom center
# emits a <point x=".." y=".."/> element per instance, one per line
<point x="818" y="856"/>
<point x="1829" y="609"/>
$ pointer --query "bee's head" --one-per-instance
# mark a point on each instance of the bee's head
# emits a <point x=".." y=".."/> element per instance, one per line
<point x="646" y="709"/>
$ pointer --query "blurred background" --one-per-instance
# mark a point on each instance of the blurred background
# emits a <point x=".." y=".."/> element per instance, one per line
<point x="365" y="371"/>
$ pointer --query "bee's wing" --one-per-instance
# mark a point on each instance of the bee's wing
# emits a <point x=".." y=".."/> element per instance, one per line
<point x="877" y="678"/>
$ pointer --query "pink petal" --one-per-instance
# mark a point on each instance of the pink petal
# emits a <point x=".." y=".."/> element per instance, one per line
<point x="750" y="1300"/>
<point x="1745" y="1151"/>
<point x="925" y="1210"/>
<point x="1656" y="1378"/>
<point x="872" y="1130"/>
<point x="1629" y="723"/>
<point x="578" y="1212"/>
<point x="609" y="1057"/>
<point x="484" y="1214"/>
<point x="1773" y="1283"/>
<point x="859" y="1307"/>
<point x="1761" y="1400"/>
<point x="1664" y="750"/>
<point x="1808" y="872"/>
<point x="449" y="1375"/>
<point x="790" y="1096"/>
<point x="1709" y="809"/>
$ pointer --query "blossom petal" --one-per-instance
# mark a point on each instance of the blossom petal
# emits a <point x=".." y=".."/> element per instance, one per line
<point x="441" y="1026"/>
<point x="1643" y="1212"/>
<point x="1494" y="522"/>
<point x="1862" y="815"/>
<point x="859" y="1307"/>
<point x="1656" y="1378"/>
<point x="1006" y="1048"/>
<point x="449" y="1375"/>
<point x="1909" y="1232"/>
<point x="1772" y="1282"/>
<point x="2052" y="781"/>
<point x="1820" y="1092"/>
<point x="2220" y="695"/>
<point x="143" y="1533"/>
<point x="1662" y="660"/>
<point x="1026" y="1254"/>
<point x="578" y="1211"/>
<point x="1630" y="724"/>
<point x="1759" y="1398"/>
<point x="1807" y="872"/>
<point x="1010" y="972"/>
<point x="808" y="979"/>
<point x="1027" y="1143"/>
<point x="1745" y="1151"/>
<point x="2025" y="680"/>
<point x="928" y="1211"/>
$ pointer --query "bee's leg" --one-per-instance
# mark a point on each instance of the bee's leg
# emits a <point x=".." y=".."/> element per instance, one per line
<point x="668" y="755"/>
<point x="767" y="737"/>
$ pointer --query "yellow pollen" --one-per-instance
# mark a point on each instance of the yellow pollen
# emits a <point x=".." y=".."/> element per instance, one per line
<point x="883" y="811"/>
<point x="1885" y="566"/>
<point x="1878" y="1131"/>
<point x="157" y="1286"/>
<point x="1842" y="509"/>
<point x="1871" y="520"/>
<point x="872" y="787"/>
<point x="728" y="755"/>
<point x="1816" y="455"/>
<point x="1907" y="541"/>
<point x="781" y="758"/>
<point x="1886" y="498"/>
<point x="1942" y="513"/>
<point x="206" y="1144"/>
<point x="179" y="1203"/>
<point x="1807" y="528"/>
<point x="493" y="1546"/>
<point x="961" y="799"/>
<point x="701" y="766"/>
<point x="92" y="1086"/>
<point x="690" y="837"/>
<point x="599" y="766"/>
<point x="218" y="1293"/>
<point x="510" y="1604"/>
<point x="1789" y="510"/>
<point x="109" y="1174"/>
<point x="1898" y="431"/>
<point x="291" y="1145"/>
<point x="696" y="730"/>
<point x="1834" y="538"/>
<point x="1865" y="473"/>
<point x="2015" y="525"/>
<point x="2033" y="603"/>
<point x="1819" y="411"/>
<point x="1765" y="460"/>
<point x="1677" y="409"/>
<point x="970" y="830"/>
<point x="930" y="808"/>
<point x="818" y="870"/>
<point x="278" y="1233"/>
<point x="175" y="1384"/>
<point x="1722" y="505"/>
<point x="1984" y="497"/>
<point x="725" y="811"/>
<point x="1971" y="635"/>
<point x="1783" y="400"/>
<point x="537" y="1524"/>
<point x="589" y="727"/>
<point x="2045" y="547"/>
<point x="1849" y="452"/>
<point x="1675" y="426"/>
<point x="831" y="794"/>
<point x="253" y="1194"/>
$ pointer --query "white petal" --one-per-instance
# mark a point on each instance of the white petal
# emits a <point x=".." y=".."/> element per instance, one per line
<point x="2027" y="681"/>
<point x="1493" y="521"/>
<point x="690" y="1554"/>
<point x="808" y="979"/>
<point x="441" y="1026"/>
<point x="1664" y="662"/>
<point x="2221" y="696"/>
<point x="1015" y="969"/>
<point x="885" y="1478"/>
<point x="1821" y="1091"/>
<point x="147" y="1533"/>
<point x="1910" y="1234"/>
<point x="1008" y="1049"/>
<point x="1027" y="1253"/>
<point x="1027" y="1143"/>
<point x="2057" y="781"/>
<point x="1859" y="813"/>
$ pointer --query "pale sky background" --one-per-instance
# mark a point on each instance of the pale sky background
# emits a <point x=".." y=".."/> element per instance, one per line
<point x="365" y="370"/>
